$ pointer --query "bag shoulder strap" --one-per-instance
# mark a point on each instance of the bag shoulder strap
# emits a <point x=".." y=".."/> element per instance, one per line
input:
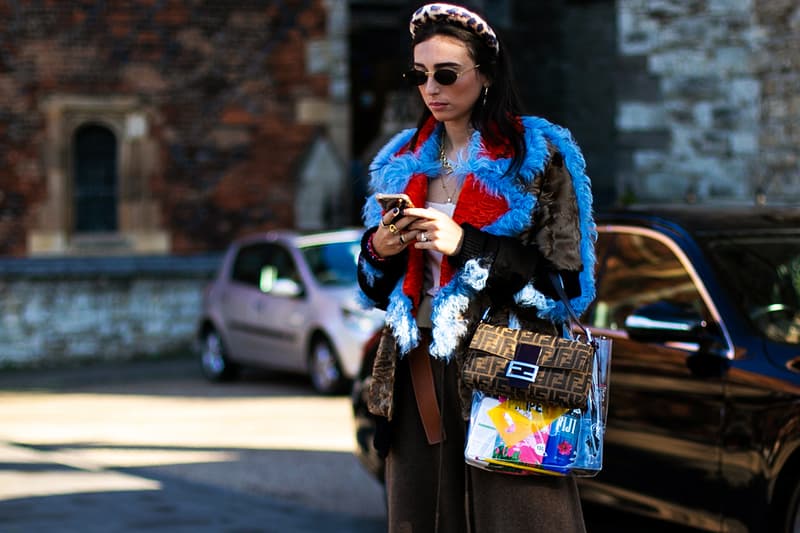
<point x="558" y="284"/>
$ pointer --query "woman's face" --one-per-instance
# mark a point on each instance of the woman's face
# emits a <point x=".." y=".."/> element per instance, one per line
<point x="448" y="103"/>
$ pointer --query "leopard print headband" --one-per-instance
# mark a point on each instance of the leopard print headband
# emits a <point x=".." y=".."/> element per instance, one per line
<point x="457" y="15"/>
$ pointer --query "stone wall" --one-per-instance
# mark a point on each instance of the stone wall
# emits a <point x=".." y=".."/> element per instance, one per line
<point x="705" y="108"/>
<point x="61" y="311"/>
<point x="778" y="69"/>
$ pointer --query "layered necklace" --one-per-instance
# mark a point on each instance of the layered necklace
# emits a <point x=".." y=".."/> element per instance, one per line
<point x="447" y="165"/>
<point x="447" y="170"/>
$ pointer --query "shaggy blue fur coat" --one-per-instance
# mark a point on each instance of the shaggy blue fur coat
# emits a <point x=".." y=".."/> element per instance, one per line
<point x="393" y="170"/>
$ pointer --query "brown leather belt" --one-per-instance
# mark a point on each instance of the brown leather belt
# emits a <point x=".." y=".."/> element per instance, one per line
<point x="425" y="392"/>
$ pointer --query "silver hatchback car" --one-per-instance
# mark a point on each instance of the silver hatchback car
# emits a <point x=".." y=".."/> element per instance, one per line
<point x="286" y="300"/>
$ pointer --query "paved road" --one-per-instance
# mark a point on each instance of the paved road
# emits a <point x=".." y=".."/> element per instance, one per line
<point x="150" y="446"/>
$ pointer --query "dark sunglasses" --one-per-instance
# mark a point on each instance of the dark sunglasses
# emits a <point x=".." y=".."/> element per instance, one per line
<point x="443" y="76"/>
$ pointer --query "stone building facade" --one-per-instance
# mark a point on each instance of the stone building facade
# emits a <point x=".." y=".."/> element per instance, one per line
<point x="230" y="116"/>
<point x="708" y="108"/>
<point x="670" y="100"/>
<point x="778" y="71"/>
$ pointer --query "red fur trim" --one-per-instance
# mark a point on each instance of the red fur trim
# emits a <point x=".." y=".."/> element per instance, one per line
<point x="496" y="146"/>
<point x="477" y="208"/>
<point x="417" y="190"/>
<point x="424" y="134"/>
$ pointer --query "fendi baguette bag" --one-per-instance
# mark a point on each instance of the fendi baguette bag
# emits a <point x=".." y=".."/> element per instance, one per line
<point x="531" y="366"/>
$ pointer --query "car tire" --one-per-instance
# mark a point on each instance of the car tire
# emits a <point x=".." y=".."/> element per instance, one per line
<point x="323" y="367"/>
<point x="214" y="360"/>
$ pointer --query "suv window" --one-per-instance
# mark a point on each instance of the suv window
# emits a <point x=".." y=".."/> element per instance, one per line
<point x="763" y="274"/>
<point x="636" y="271"/>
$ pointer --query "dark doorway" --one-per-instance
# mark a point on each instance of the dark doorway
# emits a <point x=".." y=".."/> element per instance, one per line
<point x="379" y="53"/>
<point x="95" y="185"/>
<point x="564" y="54"/>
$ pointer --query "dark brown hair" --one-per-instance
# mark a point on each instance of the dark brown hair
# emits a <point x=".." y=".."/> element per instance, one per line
<point x="497" y="120"/>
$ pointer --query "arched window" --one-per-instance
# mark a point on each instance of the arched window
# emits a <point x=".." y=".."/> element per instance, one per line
<point x="95" y="179"/>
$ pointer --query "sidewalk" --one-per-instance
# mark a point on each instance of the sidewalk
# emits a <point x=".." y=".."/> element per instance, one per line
<point x="70" y="377"/>
<point x="151" y="446"/>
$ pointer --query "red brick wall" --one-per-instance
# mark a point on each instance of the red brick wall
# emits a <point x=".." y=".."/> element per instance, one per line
<point x="219" y="80"/>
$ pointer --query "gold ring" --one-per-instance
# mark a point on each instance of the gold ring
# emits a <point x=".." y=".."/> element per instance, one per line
<point x="392" y="228"/>
<point x="402" y="240"/>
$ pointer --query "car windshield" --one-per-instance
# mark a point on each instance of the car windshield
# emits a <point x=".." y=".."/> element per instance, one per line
<point x="763" y="275"/>
<point x="333" y="263"/>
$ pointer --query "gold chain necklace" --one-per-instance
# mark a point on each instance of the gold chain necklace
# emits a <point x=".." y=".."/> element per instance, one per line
<point x="447" y="168"/>
<point x="446" y="192"/>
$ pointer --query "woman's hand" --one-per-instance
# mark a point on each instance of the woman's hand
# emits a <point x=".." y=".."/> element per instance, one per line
<point x="433" y="230"/>
<point x="392" y="236"/>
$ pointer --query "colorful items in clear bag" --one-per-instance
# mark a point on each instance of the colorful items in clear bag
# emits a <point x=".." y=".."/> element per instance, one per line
<point x="521" y="437"/>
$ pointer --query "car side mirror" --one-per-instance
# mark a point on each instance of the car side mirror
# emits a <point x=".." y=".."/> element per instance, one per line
<point x="669" y="322"/>
<point x="270" y="283"/>
<point x="286" y="288"/>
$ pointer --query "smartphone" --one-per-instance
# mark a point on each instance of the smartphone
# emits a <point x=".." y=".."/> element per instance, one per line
<point x="390" y="201"/>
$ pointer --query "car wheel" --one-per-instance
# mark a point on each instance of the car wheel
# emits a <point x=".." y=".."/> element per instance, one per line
<point x="215" y="363"/>
<point x="323" y="367"/>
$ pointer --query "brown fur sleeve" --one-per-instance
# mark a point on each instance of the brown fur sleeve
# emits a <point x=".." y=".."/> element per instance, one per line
<point x="381" y="387"/>
<point x="555" y="220"/>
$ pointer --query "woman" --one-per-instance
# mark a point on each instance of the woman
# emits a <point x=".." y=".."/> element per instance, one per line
<point x="501" y="200"/>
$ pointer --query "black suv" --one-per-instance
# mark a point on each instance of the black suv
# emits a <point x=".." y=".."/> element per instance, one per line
<point x="703" y="305"/>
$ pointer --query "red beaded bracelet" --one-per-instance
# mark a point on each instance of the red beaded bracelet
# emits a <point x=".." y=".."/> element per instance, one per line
<point x="371" y="251"/>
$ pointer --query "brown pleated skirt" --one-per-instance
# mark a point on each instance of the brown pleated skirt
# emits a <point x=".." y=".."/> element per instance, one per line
<point x="431" y="489"/>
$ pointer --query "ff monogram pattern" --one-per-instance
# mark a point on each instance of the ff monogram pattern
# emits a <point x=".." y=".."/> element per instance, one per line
<point x="564" y="376"/>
